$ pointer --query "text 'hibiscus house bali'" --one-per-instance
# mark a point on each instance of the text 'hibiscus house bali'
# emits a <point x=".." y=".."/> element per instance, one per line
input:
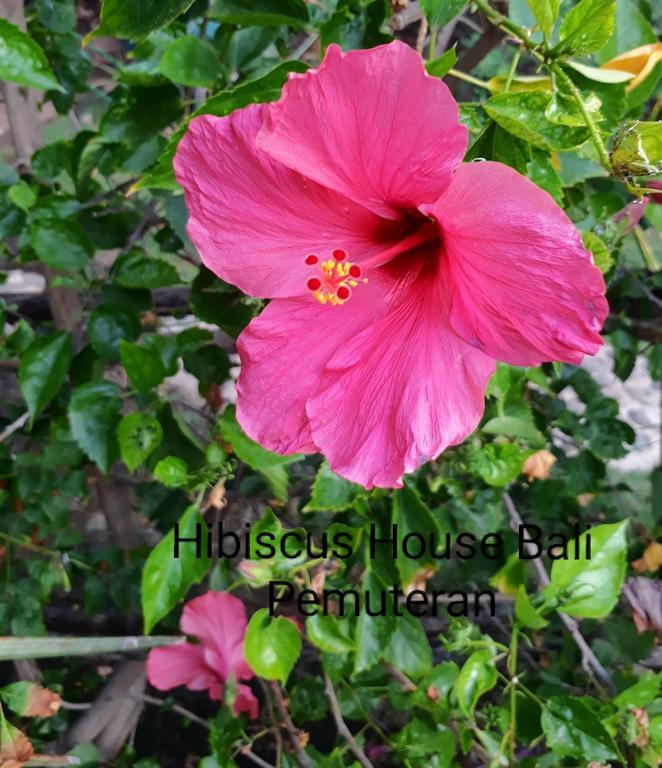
<point x="398" y="276"/>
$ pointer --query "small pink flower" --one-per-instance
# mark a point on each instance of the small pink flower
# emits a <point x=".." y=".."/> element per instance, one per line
<point x="218" y="621"/>
<point x="398" y="275"/>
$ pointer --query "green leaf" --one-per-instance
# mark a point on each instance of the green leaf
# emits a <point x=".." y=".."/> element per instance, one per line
<point x="22" y="195"/>
<point x="498" y="464"/>
<point x="514" y="426"/>
<point x="542" y="172"/>
<point x="260" y="12"/>
<point x="325" y="632"/>
<point x="590" y="587"/>
<point x="414" y="520"/>
<point x="271" y="645"/>
<point x="587" y="27"/>
<point x="644" y="692"/>
<point x="477" y="677"/>
<point x="408" y="648"/>
<point x="93" y="415"/>
<point x="271" y="465"/>
<point x="22" y="60"/>
<point x="139" y="435"/>
<point x="602" y="256"/>
<point x="143" y="366"/>
<point x="43" y="369"/>
<point x="572" y="729"/>
<point x="632" y="29"/>
<point x="546" y="12"/>
<point x="526" y="614"/>
<point x="373" y="633"/>
<point x="440" y="66"/>
<point x="330" y="492"/>
<point x="135" y="19"/>
<point x="172" y="472"/>
<point x="108" y="324"/>
<point x="523" y="115"/>
<point x="600" y="75"/>
<point x="136" y="270"/>
<point x="440" y="12"/>
<point x="61" y="244"/>
<point x="190" y="61"/>
<point x="166" y="579"/>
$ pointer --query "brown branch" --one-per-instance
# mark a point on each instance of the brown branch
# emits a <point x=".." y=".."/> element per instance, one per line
<point x="342" y="727"/>
<point x="590" y="661"/>
<point x="302" y="758"/>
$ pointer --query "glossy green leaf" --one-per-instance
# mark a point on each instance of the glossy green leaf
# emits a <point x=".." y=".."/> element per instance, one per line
<point x="587" y="27"/>
<point x="271" y="645"/>
<point x="166" y="579"/>
<point x="139" y="436"/>
<point x="440" y="66"/>
<point x="499" y="464"/>
<point x="143" y="366"/>
<point x="61" y="244"/>
<point x="373" y="633"/>
<point x="414" y="520"/>
<point x="325" y="632"/>
<point x="644" y="692"/>
<point x="260" y="12"/>
<point x="271" y="465"/>
<point x="546" y="12"/>
<point x="440" y="12"/>
<point x="638" y="149"/>
<point x="523" y="115"/>
<point x="526" y="614"/>
<point x="23" y="61"/>
<point x="172" y="472"/>
<point x="135" y="19"/>
<point x="591" y="587"/>
<point x="93" y="415"/>
<point x="22" y="195"/>
<point x="190" y="61"/>
<point x="573" y="729"/>
<point x="514" y="426"/>
<point x="408" y="648"/>
<point x="330" y="492"/>
<point x="477" y="676"/>
<point x="43" y="370"/>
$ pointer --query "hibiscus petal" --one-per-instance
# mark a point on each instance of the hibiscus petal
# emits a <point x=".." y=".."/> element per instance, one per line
<point x="218" y="620"/>
<point x="179" y="664"/>
<point x="523" y="287"/>
<point x="246" y="702"/>
<point x="399" y="392"/>
<point x="370" y="124"/>
<point x="283" y="354"/>
<point x="253" y="220"/>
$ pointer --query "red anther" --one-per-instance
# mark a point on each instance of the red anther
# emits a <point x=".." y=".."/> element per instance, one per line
<point x="339" y="254"/>
<point x="312" y="259"/>
<point x="355" y="270"/>
<point x="343" y="293"/>
<point x="314" y="284"/>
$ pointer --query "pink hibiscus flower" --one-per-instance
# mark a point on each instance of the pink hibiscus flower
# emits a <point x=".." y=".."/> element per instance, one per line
<point x="398" y="275"/>
<point x="218" y="621"/>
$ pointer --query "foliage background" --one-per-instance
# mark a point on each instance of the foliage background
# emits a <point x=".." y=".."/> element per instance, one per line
<point x="116" y="365"/>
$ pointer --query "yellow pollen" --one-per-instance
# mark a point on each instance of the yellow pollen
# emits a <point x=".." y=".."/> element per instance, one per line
<point x="334" y="282"/>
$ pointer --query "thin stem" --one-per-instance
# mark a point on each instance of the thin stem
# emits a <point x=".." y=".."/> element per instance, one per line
<point x="589" y="659"/>
<point x="248" y="752"/>
<point x="302" y="758"/>
<point x="341" y="725"/>
<point x="513" y="69"/>
<point x="512" y="671"/>
<point x="175" y="708"/>
<point x="14" y="426"/>
<point x="469" y="79"/>
<point x="432" y="45"/>
<point x="588" y="119"/>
